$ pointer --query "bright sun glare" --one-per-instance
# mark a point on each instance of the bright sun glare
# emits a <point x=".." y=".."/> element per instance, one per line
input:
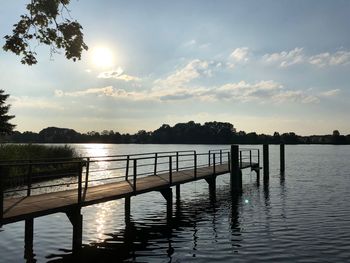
<point x="102" y="57"/>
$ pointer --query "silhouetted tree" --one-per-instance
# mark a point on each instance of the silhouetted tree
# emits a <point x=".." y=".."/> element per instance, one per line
<point x="5" y="126"/>
<point x="336" y="133"/>
<point x="46" y="23"/>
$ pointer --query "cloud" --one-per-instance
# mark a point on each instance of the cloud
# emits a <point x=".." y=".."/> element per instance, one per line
<point x="285" y="58"/>
<point x="240" y="54"/>
<point x="262" y="92"/>
<point x="295" y="96"/>
<point x="330" y="93"/>
<point x="243" y="91"/>
<point x="193" y="70"/>
<point x="108" y="91"/>
<point x="327" y="59"/>
<point x="297" y="56"/>
<point x="117" y="74"/>
<point x="190" y="43"/>
<point x="34" y="103"/>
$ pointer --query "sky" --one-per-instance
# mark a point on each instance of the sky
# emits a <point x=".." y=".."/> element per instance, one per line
<point x="263" y="66"/>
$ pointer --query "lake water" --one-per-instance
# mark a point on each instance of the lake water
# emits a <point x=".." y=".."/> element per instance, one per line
<point x="303" y="216"/>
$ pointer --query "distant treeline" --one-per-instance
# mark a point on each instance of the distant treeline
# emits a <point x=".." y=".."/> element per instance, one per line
<point x="181" y="133"/>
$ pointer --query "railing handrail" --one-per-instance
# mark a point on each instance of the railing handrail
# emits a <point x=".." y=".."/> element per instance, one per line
<point x="127" y="163"/>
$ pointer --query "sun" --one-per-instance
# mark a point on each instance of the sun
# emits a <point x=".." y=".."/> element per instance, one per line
<point x="102" y="57"/>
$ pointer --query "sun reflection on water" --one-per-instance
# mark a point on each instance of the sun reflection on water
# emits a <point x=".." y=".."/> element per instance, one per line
<point x="103" y="218"/>
<point x="97" y="150"/>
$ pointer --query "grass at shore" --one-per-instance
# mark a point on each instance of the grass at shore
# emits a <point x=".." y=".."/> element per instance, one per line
<point x="17" y="175"/>
<point x="34" y="152"/>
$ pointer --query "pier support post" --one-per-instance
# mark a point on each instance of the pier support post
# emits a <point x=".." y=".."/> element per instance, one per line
<point x="212" y="187"/>
<point x="76" y="218"/>
<point x="235" y="172"/>
<point x="177" y="193"/>
<point x="266" y="161"/>
<point x="127" y="209"/>
<point x="168" y="195"/>
<point x="28" y="239"/>
<point x="282" y="159"/>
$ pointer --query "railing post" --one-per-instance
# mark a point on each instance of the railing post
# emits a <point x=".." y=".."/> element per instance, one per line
<point x="250" y="158"/>
<point x="177" y="161"/>
<point x="29" y="178"/>
<point x="135" y="172"/>
<point x="87" y="170"/>
<point x="266" y="161"/>
<point x="127" y="167"/>
<point x="282" y="159"/>
<point x="259" y="158"/>
<point x="235" y="173"/>
<point x="2" y="175"/>
<point x="228" y="161"/>
<point x="220" y="156"/>
<point x="155" y="163"/>
<point x="170" y="170"/>
<point x="214" y="172"/>
<point x="195" y="164"/>
<point x="240" y="159"/>
<point x="80" y="172"/>
<point x="209" y="158"/>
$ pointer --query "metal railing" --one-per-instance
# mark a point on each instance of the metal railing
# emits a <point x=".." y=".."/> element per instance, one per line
<point x="30" y="177"/>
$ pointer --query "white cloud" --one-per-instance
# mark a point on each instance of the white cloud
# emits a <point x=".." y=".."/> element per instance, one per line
<point x="193" y="70"/>
<point x="117" y="74"/>
<point x="262" y="92"/>
<point x="108" y="91"/>
<point x="190" y="43"/>
<point x="240" y="54"/>
<point x="285" y="58"/>
<point x="330" y="93"/>
<point x="295" y="96"/>
<point x="327" y="59"/>
<point x="34" y="103"/>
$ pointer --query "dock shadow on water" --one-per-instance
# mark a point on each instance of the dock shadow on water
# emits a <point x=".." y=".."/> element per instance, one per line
<point x="158" y="239"/>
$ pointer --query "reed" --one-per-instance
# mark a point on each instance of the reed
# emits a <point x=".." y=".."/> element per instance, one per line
<point x="39" y="160"/>
<point x="10" y="152"/>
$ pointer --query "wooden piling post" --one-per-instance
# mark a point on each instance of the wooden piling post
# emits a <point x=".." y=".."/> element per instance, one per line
<point x="282" y="159"/>
<point x="76" y="218"/>
<point x="212" y="186"/>
<point x="28" y="239"/>
<point x="266" y="161"/>
<point x="127" y="209"/>
<point x="177" y="193"/>
<point x="235" y="171"/>
<point x="167" y="193"/>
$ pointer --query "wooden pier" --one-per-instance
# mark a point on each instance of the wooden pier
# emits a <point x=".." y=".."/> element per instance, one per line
<point x="121" y="176"/>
